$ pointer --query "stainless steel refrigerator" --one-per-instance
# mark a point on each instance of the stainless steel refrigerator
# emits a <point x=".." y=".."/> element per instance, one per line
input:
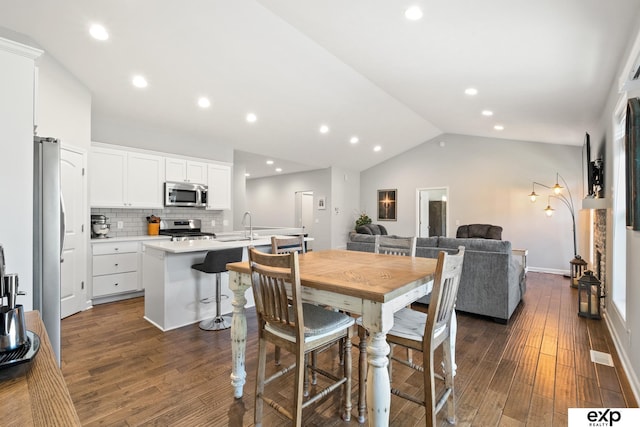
<point x="48" y="236"/>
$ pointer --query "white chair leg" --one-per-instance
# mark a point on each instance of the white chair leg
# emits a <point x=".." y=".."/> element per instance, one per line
<point x="448" y="381"/>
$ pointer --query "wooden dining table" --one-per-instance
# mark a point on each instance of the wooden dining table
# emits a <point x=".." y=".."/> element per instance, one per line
<point x="373" y="286"/>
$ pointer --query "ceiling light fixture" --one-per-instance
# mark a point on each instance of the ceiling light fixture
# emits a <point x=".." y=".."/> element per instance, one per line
<point x="204" y="102"/>
<point x="251" y="118"/>
<point x="324" y="129"/>
<point x="498" y="127"/>
<point x="278" y="169"/>
<point x="354" y="140"/>
<point x="413" y="13"/>
<point x="269" y="162"/>
<point x="487" y="113"/>
<point x="98" y="32"/>
<point x="377" y="148"/>
<point x="471" y="91"/>
<point x="139" y="81"/>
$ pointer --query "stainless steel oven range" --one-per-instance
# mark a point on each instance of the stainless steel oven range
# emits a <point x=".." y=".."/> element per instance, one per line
<point x="184" y="229"/>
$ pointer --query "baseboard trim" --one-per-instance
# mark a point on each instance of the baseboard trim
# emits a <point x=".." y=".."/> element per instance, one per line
<point x="624" y="359"/>
<point x="549" y="270"/>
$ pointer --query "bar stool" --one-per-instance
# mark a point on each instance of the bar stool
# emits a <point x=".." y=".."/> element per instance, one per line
<point x="216" y="263"/>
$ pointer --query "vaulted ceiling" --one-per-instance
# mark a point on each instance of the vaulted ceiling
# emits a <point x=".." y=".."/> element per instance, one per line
<point x="543" y="68"/>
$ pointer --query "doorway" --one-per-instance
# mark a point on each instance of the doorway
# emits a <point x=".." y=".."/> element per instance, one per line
<point x="304" y="211"/>
<point x="433" y="212"/>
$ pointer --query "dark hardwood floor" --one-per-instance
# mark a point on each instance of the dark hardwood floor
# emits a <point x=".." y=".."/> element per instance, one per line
<point x="122" y="371"/>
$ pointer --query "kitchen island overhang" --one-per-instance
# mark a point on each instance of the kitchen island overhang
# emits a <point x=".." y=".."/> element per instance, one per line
<point x="177" y="295"/>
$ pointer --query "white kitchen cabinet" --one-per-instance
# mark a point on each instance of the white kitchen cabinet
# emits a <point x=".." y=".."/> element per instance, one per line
<point x="125" y="179"/>
<point x="181" y="170"/>
<point x="144" y="181"/>
<point x="219" y="187"/>
<point x="115" y="268"/>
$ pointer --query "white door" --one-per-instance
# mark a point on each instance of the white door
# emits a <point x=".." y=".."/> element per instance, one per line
<point x="424" y="213"/>
<point x="74" y="252"/>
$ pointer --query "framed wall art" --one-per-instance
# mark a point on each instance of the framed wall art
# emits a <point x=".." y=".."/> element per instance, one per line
<point x="322" y="203"/>
<point x="387" y="207"/>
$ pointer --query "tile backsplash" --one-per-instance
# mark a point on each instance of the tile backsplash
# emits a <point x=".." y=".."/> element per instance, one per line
<point x="134" y="221"/>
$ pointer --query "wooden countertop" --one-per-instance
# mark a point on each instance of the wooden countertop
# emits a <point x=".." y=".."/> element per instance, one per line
<point x="40" y="397"/>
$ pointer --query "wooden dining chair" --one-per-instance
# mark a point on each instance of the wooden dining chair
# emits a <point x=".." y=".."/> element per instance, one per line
<point x="394" y="245"/>
<point x="284" y="245"/>
<point x="425" y="332"/>
<point x="300" y="328"/>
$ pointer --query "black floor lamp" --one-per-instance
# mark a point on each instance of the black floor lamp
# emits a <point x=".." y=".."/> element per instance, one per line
<point x="577" y="264"/>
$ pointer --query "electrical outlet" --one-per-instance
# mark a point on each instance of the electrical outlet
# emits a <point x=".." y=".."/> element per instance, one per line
<point x="225" y="222"/>
<point x="213" y="222"/>
<point x="120" y="225"/>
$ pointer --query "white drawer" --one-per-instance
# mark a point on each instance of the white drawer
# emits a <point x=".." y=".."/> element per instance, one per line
<point x="115" y="248"/>
<point x="114" y="263"/>
<point x="115" y="284"/>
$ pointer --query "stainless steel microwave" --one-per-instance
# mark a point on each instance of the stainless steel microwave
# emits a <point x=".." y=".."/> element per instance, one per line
<point x="185" y="194"/>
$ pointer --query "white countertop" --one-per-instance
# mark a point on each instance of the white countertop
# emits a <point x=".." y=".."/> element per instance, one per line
<point x="209" y="245"/>
<point x="143" y="237"/>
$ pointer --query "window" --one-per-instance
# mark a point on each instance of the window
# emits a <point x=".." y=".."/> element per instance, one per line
<point x="618" y="262"/>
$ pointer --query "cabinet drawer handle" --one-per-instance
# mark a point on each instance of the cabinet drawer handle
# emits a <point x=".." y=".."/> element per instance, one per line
<point x="115" y="284"/>
<point x="116" y="264"/>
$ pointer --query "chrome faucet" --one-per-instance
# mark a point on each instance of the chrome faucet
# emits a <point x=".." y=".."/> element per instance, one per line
<point x="244" y="218"/>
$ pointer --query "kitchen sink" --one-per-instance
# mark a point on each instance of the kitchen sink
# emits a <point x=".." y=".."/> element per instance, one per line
<point x="232" y="239"/>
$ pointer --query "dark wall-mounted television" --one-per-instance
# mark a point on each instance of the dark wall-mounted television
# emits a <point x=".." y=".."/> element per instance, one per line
<point x="594" y="169"/>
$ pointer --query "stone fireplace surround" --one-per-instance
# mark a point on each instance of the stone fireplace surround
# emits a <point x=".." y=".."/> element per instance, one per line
<point x="599" y="247"/>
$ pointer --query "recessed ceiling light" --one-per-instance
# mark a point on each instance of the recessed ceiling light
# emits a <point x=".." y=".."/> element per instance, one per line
<point x="204" y="102"/>
<point x="471" y="91"/>
<point x="413" y="13"/>
<point x="324" y="129"/>
<point x="278" y="169"/>
<point x="247" y="174"/>
<point x="377" y="148"/>
<point x="98" y="32"/>
<point x="354" y="140"/>
<point x="498" y="127"/>
<point x="139" y="81"/>
<point x="251" y="118"/>
<point x="269" y="162"/>
<point x="487" y="113"/>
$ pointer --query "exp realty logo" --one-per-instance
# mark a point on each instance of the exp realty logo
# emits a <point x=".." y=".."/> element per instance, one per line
<point x="604" y="417"/>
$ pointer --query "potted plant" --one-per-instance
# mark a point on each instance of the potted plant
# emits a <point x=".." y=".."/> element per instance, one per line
<point x="363" y="219"/>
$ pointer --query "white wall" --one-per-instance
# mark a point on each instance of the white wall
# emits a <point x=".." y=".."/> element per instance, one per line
<point x="111" y="130"/>
<point x="271" y="202"/>
<point x="489" y="181"/>
<point x="16" y="163"/>
<point x="344" y="204"/>
<point x="63" y="105"/>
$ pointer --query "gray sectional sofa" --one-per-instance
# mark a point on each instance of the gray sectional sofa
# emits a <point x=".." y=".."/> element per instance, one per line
<point x="493" y="279"/>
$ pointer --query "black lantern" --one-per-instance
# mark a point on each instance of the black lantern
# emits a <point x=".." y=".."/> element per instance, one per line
<point x="577" y="269"/>
<point x="589" y="294"/>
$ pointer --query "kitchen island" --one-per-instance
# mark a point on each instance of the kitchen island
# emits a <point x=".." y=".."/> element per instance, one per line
<point x="177" y="295"/>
